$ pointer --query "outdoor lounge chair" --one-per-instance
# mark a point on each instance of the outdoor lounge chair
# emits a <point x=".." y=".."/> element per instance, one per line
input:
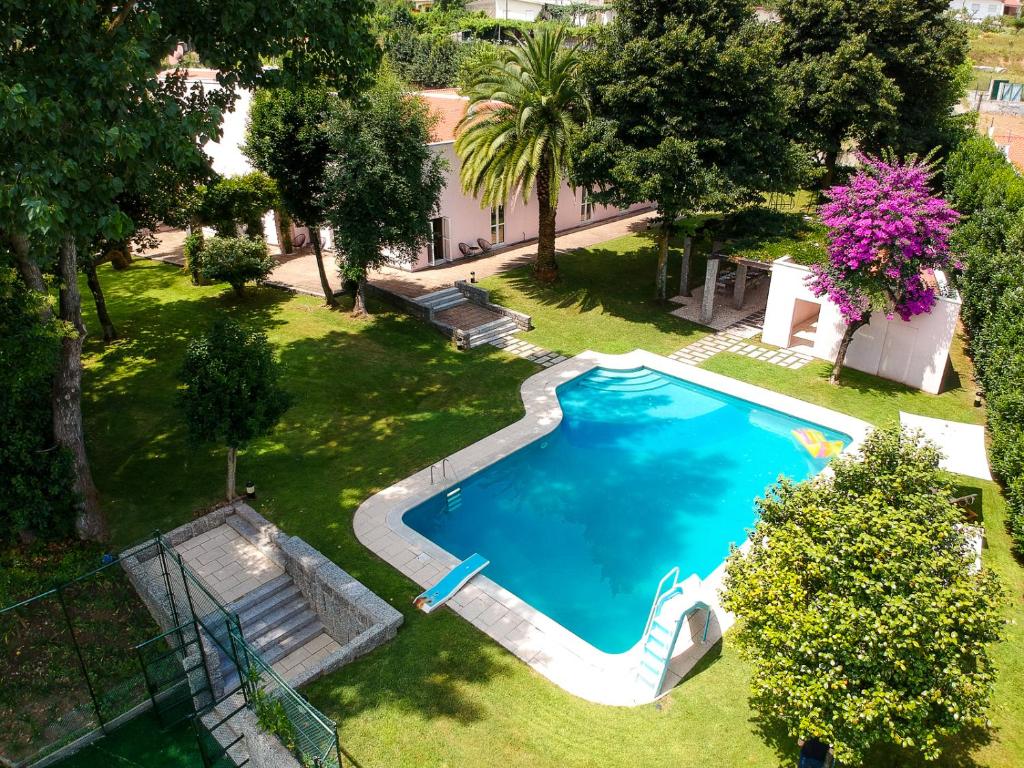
<point x="468" y="250"/>
<point x="485" y="245"/>
<point x="298" y="241"/>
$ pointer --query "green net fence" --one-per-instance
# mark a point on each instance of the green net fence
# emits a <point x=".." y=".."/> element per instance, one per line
<point x="67" y="663"/>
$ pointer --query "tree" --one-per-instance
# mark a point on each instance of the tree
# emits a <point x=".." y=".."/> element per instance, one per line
<point x="36" y="495"/>
<point x="881" y="73"/>
<point x="235" y="205"/>
<point x="524" y="109"/>
<point x="859" y="606"/>
<point x="236" y="261"/>
<point x="687" y="112"/>
<point x="62" y="125"/>
<point x="383" y="182"/>
<point x="287" y="140"/>
<point x="231" y="395"/>
<point x="885" y="229"/>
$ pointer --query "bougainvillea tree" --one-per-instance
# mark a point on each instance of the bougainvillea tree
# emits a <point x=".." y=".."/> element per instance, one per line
<point x="887" y="232"/>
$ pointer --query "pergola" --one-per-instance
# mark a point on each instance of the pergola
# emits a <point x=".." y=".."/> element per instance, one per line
<point x="739" y="290"/>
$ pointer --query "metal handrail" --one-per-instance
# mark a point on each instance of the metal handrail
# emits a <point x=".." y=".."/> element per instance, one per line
<point x="674" y="574"/>
<point x="444" y="464"/>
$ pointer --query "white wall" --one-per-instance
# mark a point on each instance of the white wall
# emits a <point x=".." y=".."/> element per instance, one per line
<point x="977" y="10"/>
<point x="467" y="220"/>
<point x="912" y="352"/>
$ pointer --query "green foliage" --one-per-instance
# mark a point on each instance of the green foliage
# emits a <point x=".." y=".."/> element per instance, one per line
<point x="192" y="250"/>
<point x="231" y="394"/>
<point x="236" y="261"/>
<point x="990" y="194"/>
<point x="859" y="609"/>
<point x="287" y="140"/>
<point x="236" y="203"/>
<point x="35" y="476"/>
<point x="766" y="235"/>
<point x="688" y="110"/>
<point x="383" y="182"/>
<point x="882" y="73"/>
<point x="429" y="59"/>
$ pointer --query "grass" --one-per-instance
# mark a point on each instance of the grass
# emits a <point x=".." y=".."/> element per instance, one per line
<point x="997" y="49"/>
<point x="875" y="400"/>
<point x="604" y="301"/>
<point x="379" y="398"/>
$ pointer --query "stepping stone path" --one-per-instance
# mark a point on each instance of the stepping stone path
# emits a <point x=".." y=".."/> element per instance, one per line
<point x="543" y="357"/>
<point x="735" y="339"/>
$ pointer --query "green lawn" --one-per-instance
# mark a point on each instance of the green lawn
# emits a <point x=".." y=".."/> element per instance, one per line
<point x="996" y="49"/>
<point x="604" y="301"/>
<point x="376" y="399"/>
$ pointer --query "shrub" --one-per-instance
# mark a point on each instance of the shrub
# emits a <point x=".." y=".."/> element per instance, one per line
<point x="990" y="194"/>
<point x="192" y="249"/>
<point x="859" y="608"/>
<point x="236" y="260"/>
<point x="238" y="202"/>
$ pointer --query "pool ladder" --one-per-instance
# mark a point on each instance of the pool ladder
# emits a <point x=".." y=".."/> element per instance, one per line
<point x="674" y="601"/>
<point x="445" y="466"/>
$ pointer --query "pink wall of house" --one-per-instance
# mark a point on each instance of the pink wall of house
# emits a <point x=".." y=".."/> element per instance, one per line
<point x="467" y="220"/>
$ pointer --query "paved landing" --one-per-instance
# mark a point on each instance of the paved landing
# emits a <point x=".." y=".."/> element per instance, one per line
<point x="962" y="445"/>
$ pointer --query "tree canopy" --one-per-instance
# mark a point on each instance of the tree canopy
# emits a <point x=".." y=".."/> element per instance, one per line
<point x="687" y="111"/>
<point x="860" y="608"/>
<point x="882" y="73"/>
<point x="524" y="111"/>
<point x="287" y="139"/>
<point x="383" y="182"/>
<point x="231" y="394"/>
<point x="85" y="107"/>
<point x="886" y="228"/>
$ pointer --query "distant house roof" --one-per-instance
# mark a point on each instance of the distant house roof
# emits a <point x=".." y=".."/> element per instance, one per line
<point x="449" y="107"/>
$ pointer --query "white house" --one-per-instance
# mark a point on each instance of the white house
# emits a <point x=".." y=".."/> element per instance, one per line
<point x="913" y="352"/>
<point x="978" y="10"/>
<point x="528" y="10"/>
<point x="460" y="220"/>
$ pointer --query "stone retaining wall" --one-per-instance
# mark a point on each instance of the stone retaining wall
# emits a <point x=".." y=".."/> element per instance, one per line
<point x="482" y="298"/>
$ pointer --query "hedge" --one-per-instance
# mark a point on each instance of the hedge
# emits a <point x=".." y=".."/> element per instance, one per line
<point x="989" y="192"/>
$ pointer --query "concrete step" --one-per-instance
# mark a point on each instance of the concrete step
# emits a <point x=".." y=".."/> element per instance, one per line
<point x="436" y="298"/>
<point x="455" y="301"/>
<point x="293" y="642"/>
<point x="243" y="604"/>
<point x="497" y="332"/>
<point x="271" y="620"/>
<point x="244" y="527"/>
<point x="283" y="632"/>
<point x="286" y="596"/>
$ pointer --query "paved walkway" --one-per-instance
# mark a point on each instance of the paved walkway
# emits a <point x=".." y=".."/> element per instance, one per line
<point x="736" y="338"/>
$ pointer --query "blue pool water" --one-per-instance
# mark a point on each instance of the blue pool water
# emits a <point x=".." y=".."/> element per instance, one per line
<point x="645" y="472"/>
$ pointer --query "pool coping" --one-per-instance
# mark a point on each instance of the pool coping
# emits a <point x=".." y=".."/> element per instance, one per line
<point x="548" y="647"/>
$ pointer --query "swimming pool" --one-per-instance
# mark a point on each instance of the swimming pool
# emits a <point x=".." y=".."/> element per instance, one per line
<point x="644" y="472"/>
<point x="610" y="478"/>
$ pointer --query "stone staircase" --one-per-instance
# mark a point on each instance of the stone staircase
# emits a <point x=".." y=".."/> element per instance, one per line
<point x="446" y="298"/>
<point x="481" y="325"/>
<point x="275" y="620"/>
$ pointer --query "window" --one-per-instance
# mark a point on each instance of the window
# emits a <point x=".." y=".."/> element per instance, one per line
<point x="586" y="207"/>
<point x="498" y="224"/>
<point x="437" y="248"/>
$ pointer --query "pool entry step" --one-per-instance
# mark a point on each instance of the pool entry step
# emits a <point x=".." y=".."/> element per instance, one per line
<point x="673" y="604"/>
<point x="636" y="380"/>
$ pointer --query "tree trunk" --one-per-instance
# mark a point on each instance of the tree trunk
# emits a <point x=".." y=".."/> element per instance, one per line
<point x="831" y="160"/>
<point x="232" y="465"/>
<point x="67" y="396"/>
<point x="661" y="281"/>
<point x="239" y="289"/>
<point x="852" y="328"/>
<point x="545" y="267"/>
<point x="684" y="270"/>
<point x="314" y="236"/>
<point x="359" y="307"/>
<point x="30" y="273"/>
<point x="93" y="279"/>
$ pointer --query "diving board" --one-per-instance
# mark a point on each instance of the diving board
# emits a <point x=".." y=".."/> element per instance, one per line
<point x="456" y="579"/>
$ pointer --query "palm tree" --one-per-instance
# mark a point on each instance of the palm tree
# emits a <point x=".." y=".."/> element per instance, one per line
<point x="523" y="111"/>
